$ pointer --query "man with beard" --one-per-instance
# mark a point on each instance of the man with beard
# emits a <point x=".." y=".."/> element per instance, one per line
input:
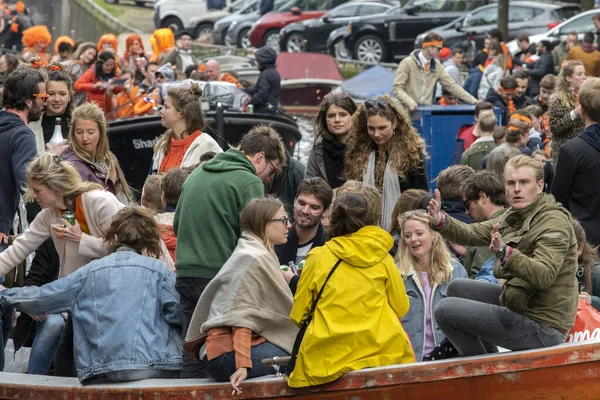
<point x="23" y="101"/>
<point x="314" y="196"/>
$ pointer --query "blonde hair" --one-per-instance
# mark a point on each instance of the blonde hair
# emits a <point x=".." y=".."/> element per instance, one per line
<point x="91" y="112"/>
<point x="441" y="268"/>
<point x="564" y="90"/>
<point x="406" y="149"/>
<point x="257" y="214"/>
<point x="588" y="98"/>
<point x="59" y="176"/>
<point x="527" y="161"/>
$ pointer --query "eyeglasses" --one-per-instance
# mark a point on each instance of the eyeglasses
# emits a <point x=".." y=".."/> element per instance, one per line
<point x="283" y="220"/>
<point x="43" y="96"/>
<point x="381" y="104"/>
<point x="274" y="171"/>
<point x="340" y="96"/>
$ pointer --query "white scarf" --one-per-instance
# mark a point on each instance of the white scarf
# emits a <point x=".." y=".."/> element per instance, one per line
<point x="391" y="189"/>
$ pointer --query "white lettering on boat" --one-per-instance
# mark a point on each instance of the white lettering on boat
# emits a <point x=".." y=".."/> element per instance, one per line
<point x="584" y="335"/>
<point x="144" y="144"/>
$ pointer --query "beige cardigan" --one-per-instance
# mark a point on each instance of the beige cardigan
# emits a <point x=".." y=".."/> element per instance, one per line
<point x="99" y="207"/>
<point x="202" y="144"/>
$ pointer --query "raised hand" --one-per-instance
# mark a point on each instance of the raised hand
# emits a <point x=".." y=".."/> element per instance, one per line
<point x="496" y="243"/>
<point x="434" y="208"/>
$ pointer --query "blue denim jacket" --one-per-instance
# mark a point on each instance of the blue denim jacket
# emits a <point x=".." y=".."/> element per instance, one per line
<point x="125" y="312"/>
<point x="414" y="321"/>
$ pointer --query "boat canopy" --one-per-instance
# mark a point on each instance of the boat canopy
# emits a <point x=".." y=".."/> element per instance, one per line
<point x="307" y="66"/>
<point x="369" y="84"/>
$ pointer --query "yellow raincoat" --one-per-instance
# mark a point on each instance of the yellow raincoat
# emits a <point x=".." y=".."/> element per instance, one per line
<point x="357" y="321"/>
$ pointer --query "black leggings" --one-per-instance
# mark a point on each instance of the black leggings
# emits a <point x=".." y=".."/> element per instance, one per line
<point x="64" y="360"/>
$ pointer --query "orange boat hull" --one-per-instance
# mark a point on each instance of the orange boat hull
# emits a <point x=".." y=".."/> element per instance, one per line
<point x="566" y="372"/>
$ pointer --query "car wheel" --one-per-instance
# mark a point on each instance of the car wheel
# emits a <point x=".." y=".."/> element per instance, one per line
<point x="227" y="40"/>
<point x="204" y="29"/>
<point x="243" y="40"/>
<point x="140" y="3"/>
<point x="295" y="43"/>
<point x="340" y="50"/>
<point x="111" y="1"/>
<point x="370" y="49"/>
<point x="271" y="39"/>
<point x="172" y="23"/>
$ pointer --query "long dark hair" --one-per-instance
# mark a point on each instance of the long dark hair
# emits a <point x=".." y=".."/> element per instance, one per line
<point x="102" y="58"/>
<point x="341" y="100"/>
<point x="57" y="73"/>
<point x="588" y="257"/>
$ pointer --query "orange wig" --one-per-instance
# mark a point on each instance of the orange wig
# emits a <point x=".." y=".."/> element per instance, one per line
<point x="35" y="35"/>
<point x="129" y="42"/>
<point x="161" y="40"/>
<point x="63" y="39"/>
<point x="110" y="39"/>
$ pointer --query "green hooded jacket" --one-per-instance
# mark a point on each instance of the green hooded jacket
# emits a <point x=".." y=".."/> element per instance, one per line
<point x="207" y="219"/>
<point x="540" y="275"/>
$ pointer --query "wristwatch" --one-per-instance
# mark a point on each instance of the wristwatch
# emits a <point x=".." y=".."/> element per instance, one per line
<point x="500" y="254"/>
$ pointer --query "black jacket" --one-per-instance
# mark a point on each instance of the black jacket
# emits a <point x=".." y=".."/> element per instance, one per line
<point x="522" y="102"/>
<point x="537" y="70"/>
<point x="497" y="101"/>
<point x="17" y="149"/>
<point x="517" y="58"/>
<point x="576" y="180"/>
<point x="456" y="209"/>
<point x="265" y="95"/>
<point x="287" y="252"/>
<point x="285" y="186"/>
<point x="266" y="6"/>
<point x="44" y="269"/>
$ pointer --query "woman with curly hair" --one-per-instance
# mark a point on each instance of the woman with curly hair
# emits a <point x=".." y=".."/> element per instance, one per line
<point x="183" y="143"/>
<point x="36" y="40"/>
<point x="331" y="129"/>
<point x="564" y="110"/>
<point x="385" y="151"/>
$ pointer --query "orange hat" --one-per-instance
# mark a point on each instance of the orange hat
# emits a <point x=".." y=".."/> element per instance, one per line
<point x="20" y="6"/>
<point x="108" y="38"/>
<point x="445" y="53"/>
<point x="62" y="39"/>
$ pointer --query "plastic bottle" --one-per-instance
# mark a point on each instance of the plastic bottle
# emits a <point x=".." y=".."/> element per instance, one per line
<point x="57" y="137"/>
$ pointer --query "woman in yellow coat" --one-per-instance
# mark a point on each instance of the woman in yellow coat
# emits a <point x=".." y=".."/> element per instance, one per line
<point x="356" y="323"/>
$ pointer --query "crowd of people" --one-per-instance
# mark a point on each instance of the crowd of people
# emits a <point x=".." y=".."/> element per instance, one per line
<point x="240" y="254"/>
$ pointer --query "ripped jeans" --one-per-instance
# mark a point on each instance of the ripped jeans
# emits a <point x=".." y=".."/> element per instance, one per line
<point x="473" y="320"/>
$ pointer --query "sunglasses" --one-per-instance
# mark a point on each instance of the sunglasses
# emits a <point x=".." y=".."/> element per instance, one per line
<point x="43" y="96"/>
<point x="381" y="104"/>
<point x="339" y="96"/>
<point x="284" y="220"/>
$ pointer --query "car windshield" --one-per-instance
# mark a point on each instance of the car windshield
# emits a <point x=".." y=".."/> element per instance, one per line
<point x="241" y="4"/>
<point x="284" y="5"/>
<point x="250" y="8"/>
<point x="393" y="9"/>
<point x="426" y="5"/>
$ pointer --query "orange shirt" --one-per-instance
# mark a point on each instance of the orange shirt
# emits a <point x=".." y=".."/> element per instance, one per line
<point x="123" y="103"/>
<point x="227" y="77"/>
<point x="174" y="157"/>
<point x="79" y="215"/>
<point x="225" y="340"/>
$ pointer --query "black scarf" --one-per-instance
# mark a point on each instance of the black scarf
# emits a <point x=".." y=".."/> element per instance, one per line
<point x="333" y="156"/>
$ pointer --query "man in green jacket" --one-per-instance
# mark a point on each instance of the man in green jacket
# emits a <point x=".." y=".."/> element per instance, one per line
<point x="536" y="255"/>
<point x="207" y="218"/>
<point x="418" y="74"/>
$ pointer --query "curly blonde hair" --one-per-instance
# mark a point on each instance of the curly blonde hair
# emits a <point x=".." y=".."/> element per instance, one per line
<point x="406" y="149"/>
<point x="564" y="90"/>
<point x="440" y="270"/>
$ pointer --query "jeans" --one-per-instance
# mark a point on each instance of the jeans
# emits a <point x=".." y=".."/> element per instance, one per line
<point x="472" y="319"/>
<point x="43" y="349"/>
<point x="190" y="290"/>
<point x="222" y="367"/>
<point x="64" y="360"/>
<point x="129" y="375"/>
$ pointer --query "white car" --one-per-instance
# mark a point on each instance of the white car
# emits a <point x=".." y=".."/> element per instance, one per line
<point x="581" y="23"/>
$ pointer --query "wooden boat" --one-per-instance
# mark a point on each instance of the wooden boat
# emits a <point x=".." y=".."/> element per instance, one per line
<point x="570" y="371"/>
<point x="132" y="140"/>
<point x="305" y="79"/>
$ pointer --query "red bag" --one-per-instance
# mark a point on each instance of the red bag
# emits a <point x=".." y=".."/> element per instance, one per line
<point x="587" y="324"/>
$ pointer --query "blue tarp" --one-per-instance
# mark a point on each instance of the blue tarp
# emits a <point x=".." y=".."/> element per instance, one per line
<point x="369" y="84"/>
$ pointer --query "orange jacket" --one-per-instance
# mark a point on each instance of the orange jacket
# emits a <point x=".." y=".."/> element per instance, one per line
<point x="123" y="103"/>
<point x="86" y="82"/>
<point x="227" y="77"/>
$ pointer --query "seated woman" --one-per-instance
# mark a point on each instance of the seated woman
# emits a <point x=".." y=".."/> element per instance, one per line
<point x="183" y="143"/>
<point x="427" y="267"/>
<point x="385" y="151"/>
<point x="89" y="152"/>
<point x="129" y="282"/>
<point x="406" y="202"/>
<point x="588" y="273"/>
<point x="242" y="316"/>
<point x="356" y="323"/>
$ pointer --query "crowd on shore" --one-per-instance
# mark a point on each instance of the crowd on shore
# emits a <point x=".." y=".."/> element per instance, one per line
<point x="240" y="254"/>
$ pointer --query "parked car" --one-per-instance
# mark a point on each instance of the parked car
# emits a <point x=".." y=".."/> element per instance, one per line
<point x="311" y="35"/>
<point x="188" y="14"/>
<point x="237" y="33"/>
<point x="221" y="27"/>
<point x="386" y="36"/>
<point x="139" y="3"/>
<point x="580" y="23"/>
<point x="265" y="31"/>
<point x="523" y="16"/>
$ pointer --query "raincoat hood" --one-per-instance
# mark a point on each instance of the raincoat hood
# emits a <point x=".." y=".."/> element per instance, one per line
<point x="231" y="160"/>
<point x="266" y="56"/>
<point x="364" y="248"/>
<point x="167" y="71"/>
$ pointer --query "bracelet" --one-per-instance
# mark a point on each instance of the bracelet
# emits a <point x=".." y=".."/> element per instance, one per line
<point x="509" y="252"/>
<point x="442" y="221"/>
